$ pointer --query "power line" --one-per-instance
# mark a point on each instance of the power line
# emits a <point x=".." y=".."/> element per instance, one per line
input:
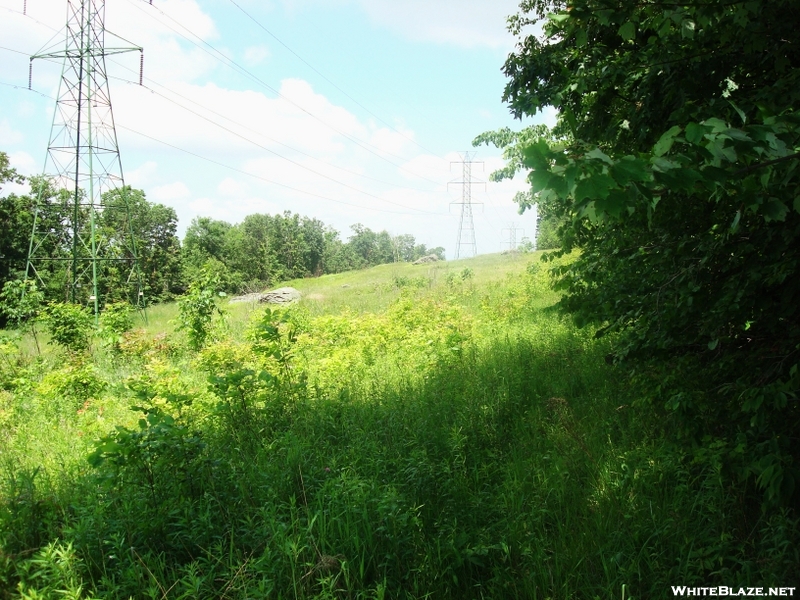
<point x="294" y="162"/>
<point x="310" y="66"/>
<point x="238" y="67"/>
<point x="249" y="174"/>
<point x="253" y="175"/>
<point x="241" y="69"/>
<point x="178" y="104"/>
<point x="219" y="56"/>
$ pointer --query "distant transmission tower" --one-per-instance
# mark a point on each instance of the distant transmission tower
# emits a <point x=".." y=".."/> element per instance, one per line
<point x="512" y="230"/>
<point x="82" y="235"/>
<point x="466" y="227"/>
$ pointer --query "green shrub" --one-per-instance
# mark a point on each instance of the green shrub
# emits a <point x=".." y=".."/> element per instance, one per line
<point x="69" y="325"/>
<point x="197" y="308"/>
<point x="115" y="320"/>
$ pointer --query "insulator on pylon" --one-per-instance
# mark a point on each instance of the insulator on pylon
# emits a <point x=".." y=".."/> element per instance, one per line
<point x="30" y="74"/>
<point x="25" y="7"/>
<point x="141" y="65"/>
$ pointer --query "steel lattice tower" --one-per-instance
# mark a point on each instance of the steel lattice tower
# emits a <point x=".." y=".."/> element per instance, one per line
<point x="466" y="227"/>
<point x="82" y="232"/>
<point x="512" y="230"/>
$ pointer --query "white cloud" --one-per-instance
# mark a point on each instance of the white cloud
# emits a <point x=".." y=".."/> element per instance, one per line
<point x="24" y="163"/>
<point x="170" y="192"/>
<point x="8" y="135"/>
<point x="255" y="55"/>
<point x="302" y="118"/>
<point x="143" y="175"/>
<point x="232" y="187"/>
<point x="465" y="23"/>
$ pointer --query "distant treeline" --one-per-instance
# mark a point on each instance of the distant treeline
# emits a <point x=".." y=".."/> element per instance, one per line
<point x="260" y="251"/>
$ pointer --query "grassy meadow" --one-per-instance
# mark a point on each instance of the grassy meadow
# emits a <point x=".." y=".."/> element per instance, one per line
<point x="432" y="431"/>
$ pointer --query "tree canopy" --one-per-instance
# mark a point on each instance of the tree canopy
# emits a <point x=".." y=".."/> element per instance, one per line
<point x="674" y="170"/>
<point x="260" y="251"/>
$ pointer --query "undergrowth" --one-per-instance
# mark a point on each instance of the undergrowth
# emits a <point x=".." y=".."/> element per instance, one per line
<point x="464" y="442"/>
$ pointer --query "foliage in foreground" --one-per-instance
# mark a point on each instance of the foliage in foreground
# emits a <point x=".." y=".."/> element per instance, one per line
<point x="462" y="444"/>
<point x="674" y="170"/>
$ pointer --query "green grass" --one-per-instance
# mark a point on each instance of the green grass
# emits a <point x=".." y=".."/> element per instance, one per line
<point x="456" y="439"/>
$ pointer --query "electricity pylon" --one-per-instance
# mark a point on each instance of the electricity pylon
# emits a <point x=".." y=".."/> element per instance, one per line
<point x="512" y="230"/>
<point x="82" y="229"/>
<point x="466" y="227"/>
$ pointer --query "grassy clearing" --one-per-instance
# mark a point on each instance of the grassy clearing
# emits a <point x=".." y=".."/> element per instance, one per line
<point x="399" y="438"/>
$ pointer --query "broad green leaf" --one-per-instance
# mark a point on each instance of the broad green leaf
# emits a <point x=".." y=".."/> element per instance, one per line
<point x="594" y="187"/>
<point x="665" y="141"/>
<point x="736" y="219"/>
<point x="629" y="169"/>
<point x="663" y="164"/>
<point x="536" y="155"/>
<point x="716" y="124"/>
<point x="738" y="134"/>
<point x="797" y="204"/>
<point x="681" y="178"/>
<point x="739" y="111"/>
<point x="694" y="133"/>
<point x="627" y="31"/>
<point x="687" y="29"/>
<point x="775" y="210"/>
<point x="559" y="185"/>
<point x="580" y="38"/>
<point x="720" y="151"/>
<point x="538" y="179"/>
<point x="613" y="204"/>
<point x="599" y="155"/>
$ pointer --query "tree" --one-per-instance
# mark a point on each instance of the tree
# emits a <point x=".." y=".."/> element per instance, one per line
<point x="674" y="169"/>
<point x="154" y="228"/>
<point x="15" y="223"/>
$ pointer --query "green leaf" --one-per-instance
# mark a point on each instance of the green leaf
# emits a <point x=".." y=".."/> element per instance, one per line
<point x="665" y="141"/>
<point x="629" y="169"/>
<point x="664" y="164"/>
<point x="580" y="38"/>
<point x="594" y="187"/>
<point x="738" y="134"/>
<point x="538" y="178"/>
<point x="679" y="178"/>
<point x="599" y="155"/>
<point x="712" y="345"/>
<point x="775" y="210"/>
<point x="716" y="124"/>
<point x="736" y="219"/>
<point x="797" y="204"/>
<point x="614" y="204"/>
<point x="627" y="31"/>
<point x="536" y="155"/>
<point x="739" y="111"/>
<point x="694" y="133"/>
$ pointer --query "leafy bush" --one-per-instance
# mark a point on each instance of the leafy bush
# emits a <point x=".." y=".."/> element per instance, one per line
<point x="139" y="343"/>
<point x="69" y="325"/>
<point x="198" y="307"/>
<point x="21" y="303"/>
<point x="115" y="321"/>
<point x="70" y="389"/>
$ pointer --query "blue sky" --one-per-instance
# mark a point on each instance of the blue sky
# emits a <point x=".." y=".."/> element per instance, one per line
<point x="363" y="129"/>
